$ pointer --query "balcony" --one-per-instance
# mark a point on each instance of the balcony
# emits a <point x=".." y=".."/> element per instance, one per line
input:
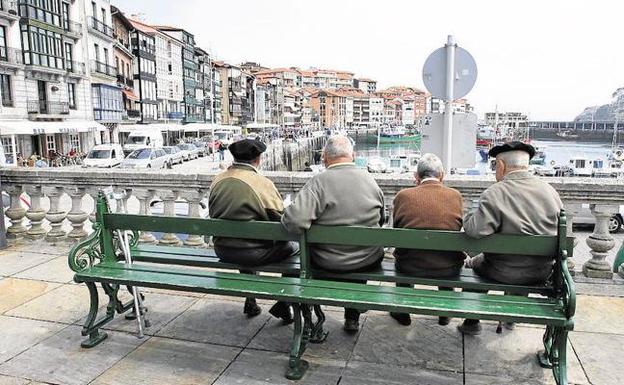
<point x="72" y="28"/>
<point x="143" y="46"/>
<point x="8" y="9"/>
<point x="45" y="107"/>
<point x="100" y="27"/>
<point x="75" y="67"/>
<point x="124" y="81"/>
<point x="12" y="56"/>
<point x="103" y="68"/>
<point x="131" y="115"/>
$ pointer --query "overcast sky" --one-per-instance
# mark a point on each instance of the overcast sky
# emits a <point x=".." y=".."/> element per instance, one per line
<point x="549" y="59"/>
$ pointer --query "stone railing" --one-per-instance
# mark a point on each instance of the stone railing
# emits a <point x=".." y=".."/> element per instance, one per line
<point x="61" y="202"/>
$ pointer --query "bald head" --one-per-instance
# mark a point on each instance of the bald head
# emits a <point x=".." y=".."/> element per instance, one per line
<point x="338" y="149"/>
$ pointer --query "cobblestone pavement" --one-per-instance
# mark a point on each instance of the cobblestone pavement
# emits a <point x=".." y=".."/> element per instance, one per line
<point x="203" y="339"/>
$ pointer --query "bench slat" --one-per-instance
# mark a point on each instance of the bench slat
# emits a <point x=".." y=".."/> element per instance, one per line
<point x="224" y="228"/>
<point x="387" y="273"/>
<point x="431" y="240"/>
<point x="429" y="302"/>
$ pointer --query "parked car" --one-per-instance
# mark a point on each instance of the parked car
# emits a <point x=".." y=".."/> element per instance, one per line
<point x="585" y="218"/>
<point x="202" y="147"/>
<point x="544" y="171"/>
<point x="174" y="155"/>
<point x="154" y="158"/>
<point x="104" y="155"/>
<point x="192" y="152"/>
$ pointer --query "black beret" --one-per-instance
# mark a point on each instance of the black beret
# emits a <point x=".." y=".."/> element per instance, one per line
<point x="512" y="146"/>
<point x="247" y="149"/>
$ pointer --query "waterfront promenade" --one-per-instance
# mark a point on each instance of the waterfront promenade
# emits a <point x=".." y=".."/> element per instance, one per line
<point x="204" y="339"/>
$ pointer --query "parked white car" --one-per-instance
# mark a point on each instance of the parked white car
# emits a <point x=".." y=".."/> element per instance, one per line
<point x="192" y="152"/>
<point x="585" y="218"/>
<point x="154" y="158"/>
<point x="174" y="155"/>
<point x="104" y="155"/>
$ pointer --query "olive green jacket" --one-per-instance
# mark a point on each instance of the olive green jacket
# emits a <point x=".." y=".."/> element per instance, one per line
<point x="240" y="193"/>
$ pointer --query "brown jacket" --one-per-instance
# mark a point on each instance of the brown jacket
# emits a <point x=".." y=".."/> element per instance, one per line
<point x="429" y="206"/>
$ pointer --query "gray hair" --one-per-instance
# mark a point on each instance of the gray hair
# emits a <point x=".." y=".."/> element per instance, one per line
<point x="338" y="146"/>
<point x="429" y="166"/>
<point x="515" y="159"/>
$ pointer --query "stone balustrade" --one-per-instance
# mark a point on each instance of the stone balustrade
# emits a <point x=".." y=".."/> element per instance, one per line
<point x="61" y="202"/>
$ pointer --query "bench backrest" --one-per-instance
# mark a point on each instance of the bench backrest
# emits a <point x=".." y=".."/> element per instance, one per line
<point x="536" y="245"/>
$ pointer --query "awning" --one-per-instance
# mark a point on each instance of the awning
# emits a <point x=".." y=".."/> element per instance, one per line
<point x="200" y="127"/>
<point x="130" y="94"/>
<point x="162" y="127"/>
<point x="28" y="127"/>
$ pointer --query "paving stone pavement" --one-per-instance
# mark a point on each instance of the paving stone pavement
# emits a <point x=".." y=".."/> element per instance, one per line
<point x="203" y="339"/>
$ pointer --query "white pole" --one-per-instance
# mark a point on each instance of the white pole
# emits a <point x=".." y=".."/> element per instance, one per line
<point x="448" y="109"/>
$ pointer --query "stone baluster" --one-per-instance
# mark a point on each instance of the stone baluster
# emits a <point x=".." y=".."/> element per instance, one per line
<point x="169" y="199"/>
<point x="55" y="216"/>
<point x="76" y="215"/>
<point x="93" y="193"/>
<point x="194" y="198"/>
<point x="145" y="198"/>
<point x="35" y="213"/>
<point x="571" y="209"/>
<point x="600" y="242"/>
<point x="121" y="199"/>
<point x="16" y="212"/>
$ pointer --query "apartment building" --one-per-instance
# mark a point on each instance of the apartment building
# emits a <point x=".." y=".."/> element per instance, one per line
<point x="248" y="91"/>
<point x="193" y="109"/>
<point x="366" y="85"/>
<point x="231" y="93"/>
<point x="216" y="95"/>
<point x="510" y="120"/>
<point x="124" y="64"/>
<point x="169" y="77"/>
<point x="334" y="107"/>
<point x="106" y="95"/>
<point x="204" y="92"/>
<point x="143" y="43"/>
<point x="44" y="87"/>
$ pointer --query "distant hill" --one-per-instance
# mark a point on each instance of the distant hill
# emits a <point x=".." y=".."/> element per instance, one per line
<point x="606" y="112"/>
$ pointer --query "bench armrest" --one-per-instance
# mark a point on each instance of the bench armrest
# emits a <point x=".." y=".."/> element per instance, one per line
<point x="568" y="290"/>
<point x="85" y="253"/>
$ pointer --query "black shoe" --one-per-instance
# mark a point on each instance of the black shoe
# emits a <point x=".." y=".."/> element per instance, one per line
<point x="470" y="327"/>
<point x="282" y="310"/>
<point x="351" y="326"/>
<point x="443" y="321"/>
<point x="402" y="318"/>
<point x="132" y="315"/>
<point x="251" y="308"/>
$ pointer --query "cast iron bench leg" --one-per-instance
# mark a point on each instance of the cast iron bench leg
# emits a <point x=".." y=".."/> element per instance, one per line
<point x="296" y="366"/>
<point x="555" y="354"/>
<point x="91" y="327"/>
<point x="318" y="334"/>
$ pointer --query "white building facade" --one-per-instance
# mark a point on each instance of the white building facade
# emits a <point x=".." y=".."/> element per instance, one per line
<point x="46" y="104"/>
<point x="169" y="78"/>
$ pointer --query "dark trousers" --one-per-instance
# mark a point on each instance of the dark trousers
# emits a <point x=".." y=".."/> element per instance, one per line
<point x="440" y="273"/>
<point x="350" y="314"/>
<point x="258" y="256"/>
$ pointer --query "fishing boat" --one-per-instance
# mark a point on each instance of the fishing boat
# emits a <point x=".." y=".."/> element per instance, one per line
<point x="567" y="135"/>
<point x="539" y="158"/>
<point x="389" y="135"/>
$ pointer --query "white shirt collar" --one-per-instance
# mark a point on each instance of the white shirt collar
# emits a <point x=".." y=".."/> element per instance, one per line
<point x="246" y="164"/>
<point x="431" y="178"/>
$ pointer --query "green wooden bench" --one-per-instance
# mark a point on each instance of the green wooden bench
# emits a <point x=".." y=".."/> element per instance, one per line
<point x="96" y="260"/>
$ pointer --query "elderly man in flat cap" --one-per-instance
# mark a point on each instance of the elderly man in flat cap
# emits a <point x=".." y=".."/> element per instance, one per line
<point x="241" y="193"/>
<point x="519" y="203"/>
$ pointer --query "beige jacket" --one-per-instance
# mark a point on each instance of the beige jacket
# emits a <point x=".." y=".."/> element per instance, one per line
<point x="520" y="204"/>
